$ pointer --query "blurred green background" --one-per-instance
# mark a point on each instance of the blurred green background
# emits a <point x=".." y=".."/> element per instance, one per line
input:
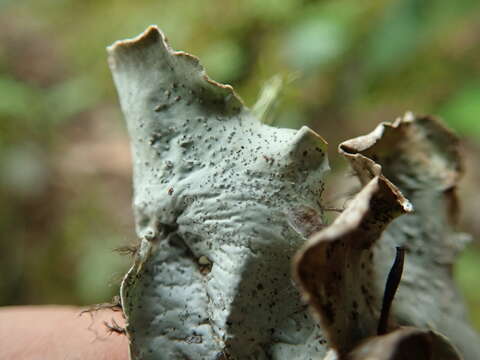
<point x="65" y="187"/>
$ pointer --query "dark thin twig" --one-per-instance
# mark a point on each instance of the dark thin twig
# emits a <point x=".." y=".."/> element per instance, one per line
<point x="393" y="280"/>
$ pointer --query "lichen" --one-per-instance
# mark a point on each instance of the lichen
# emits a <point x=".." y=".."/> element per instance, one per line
<point x="212" y="181"/>
<point x="422" y="158"/>
<point x="223" y="202"/>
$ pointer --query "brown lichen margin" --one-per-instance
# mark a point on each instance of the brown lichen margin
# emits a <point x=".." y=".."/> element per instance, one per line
<point x="413" y="128"/>
<point x="368" y="154"/>
<point x="334" y="269"/>
<point x="406" y="343"/>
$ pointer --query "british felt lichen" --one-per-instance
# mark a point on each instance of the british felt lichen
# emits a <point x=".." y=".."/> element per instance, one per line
<point x="223" y="202"/>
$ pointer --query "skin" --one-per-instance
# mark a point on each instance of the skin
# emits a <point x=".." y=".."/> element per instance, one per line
<point x="59" y="332"/>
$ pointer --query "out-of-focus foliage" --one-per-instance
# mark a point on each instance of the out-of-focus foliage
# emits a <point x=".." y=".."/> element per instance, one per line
<point x="64" y="157"/>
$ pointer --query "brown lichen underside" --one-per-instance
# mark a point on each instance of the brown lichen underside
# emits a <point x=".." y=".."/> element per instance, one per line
<point x="336" y="267"/>
<point x="406" y="343"/>
<point x="342" y="269"/>
<point x="422" y="158"/>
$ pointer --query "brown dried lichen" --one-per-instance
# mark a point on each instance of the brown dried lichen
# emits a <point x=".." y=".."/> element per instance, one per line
<point x="335" y="268"/>
<point x="420" y="159"/>
<point x="406" y="343"/>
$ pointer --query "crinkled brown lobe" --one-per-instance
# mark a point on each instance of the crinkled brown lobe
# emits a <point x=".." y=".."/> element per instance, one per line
<point x="421" y="157"/>
<point x="406" y="343"/>
<point x="335" y="268"/>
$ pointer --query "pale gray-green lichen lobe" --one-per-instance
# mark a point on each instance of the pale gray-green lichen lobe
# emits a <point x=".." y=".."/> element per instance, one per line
<point x="211" y="181"/>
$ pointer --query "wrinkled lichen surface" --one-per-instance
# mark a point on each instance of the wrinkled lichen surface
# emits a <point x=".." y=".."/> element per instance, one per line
<point x="223" y="202"/>
<point x="214" y="188"/>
